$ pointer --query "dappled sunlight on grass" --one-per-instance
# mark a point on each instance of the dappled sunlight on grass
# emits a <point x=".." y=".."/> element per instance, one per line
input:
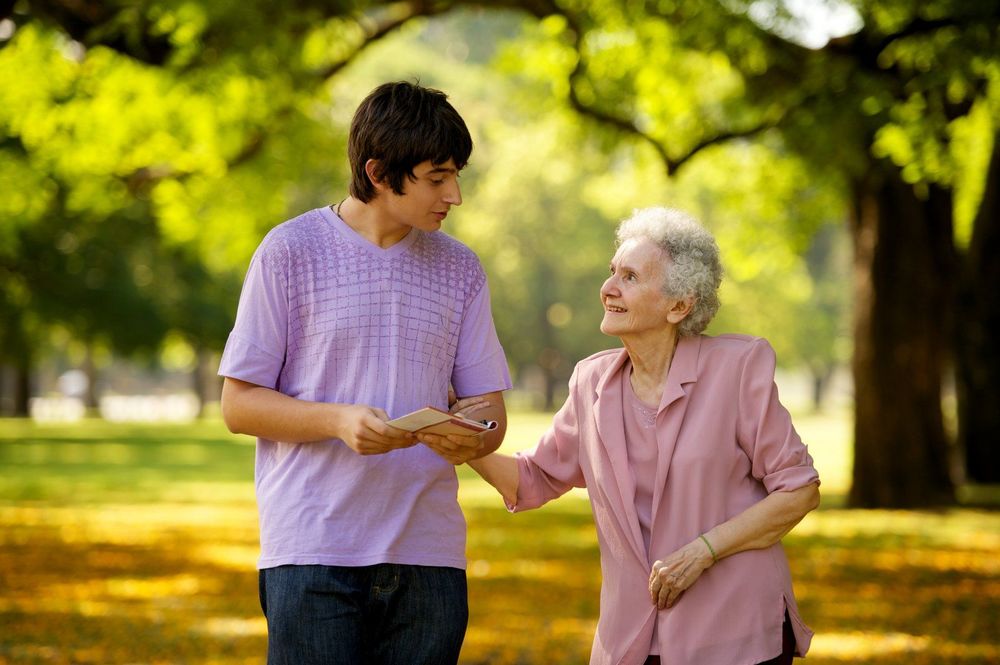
<point x="144" y="552"/>
<point x="861" y="647"/>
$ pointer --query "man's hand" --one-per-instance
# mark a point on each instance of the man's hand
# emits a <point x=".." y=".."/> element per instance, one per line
<point x="364" y="430"/>
<point x="454" y="448"/>
<point x="458" y="449"/>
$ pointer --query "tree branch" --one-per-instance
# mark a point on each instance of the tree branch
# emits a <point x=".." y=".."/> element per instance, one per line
<point x="865" y="46"/>
<point x="376" y="27"/>
<point x="671" y="164"/>
<point x="92" y="23"/>
<point x="389" y="17"/>
<point x="6" y="8"/>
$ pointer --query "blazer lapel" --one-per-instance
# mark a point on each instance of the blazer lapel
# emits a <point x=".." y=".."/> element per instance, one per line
<point x="673" y="404"/>
<point x="611" y="432"/>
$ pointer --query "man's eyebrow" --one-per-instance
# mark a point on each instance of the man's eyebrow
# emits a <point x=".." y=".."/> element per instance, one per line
<point x="442" y="169"/>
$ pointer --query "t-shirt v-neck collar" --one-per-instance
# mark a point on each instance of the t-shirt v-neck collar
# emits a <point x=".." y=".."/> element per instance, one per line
<point x="356" y="238"/>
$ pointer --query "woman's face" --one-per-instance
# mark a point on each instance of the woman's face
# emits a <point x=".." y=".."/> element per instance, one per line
<point x="633" y="297"/>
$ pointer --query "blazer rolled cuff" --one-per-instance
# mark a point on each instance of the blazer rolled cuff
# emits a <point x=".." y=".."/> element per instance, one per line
<point x="527" y="495"/>
<point x="791" y="478"/>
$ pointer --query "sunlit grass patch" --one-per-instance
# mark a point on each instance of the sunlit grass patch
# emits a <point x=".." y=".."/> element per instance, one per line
<point x="130" y="544"/>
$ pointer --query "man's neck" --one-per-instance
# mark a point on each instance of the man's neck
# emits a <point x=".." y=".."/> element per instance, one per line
<point x="369" y="222"/>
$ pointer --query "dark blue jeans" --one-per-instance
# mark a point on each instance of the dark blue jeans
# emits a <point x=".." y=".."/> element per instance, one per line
<point x="385" y="614"/>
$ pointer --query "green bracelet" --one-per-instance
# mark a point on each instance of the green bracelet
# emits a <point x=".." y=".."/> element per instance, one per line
<point x="715" y="559"/>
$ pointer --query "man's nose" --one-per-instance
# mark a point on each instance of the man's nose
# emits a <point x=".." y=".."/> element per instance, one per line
<point x="453" y="196"/>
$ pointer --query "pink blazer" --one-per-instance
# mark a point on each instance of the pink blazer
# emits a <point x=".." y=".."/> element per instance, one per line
<point x="725" y="442"/>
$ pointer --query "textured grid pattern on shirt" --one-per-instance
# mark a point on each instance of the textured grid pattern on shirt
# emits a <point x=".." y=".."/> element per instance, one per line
<point x="370" y="321"/>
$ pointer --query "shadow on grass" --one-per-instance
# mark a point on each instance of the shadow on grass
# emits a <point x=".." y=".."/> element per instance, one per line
<point x="128" y="544"/>
<point x="68" y="599"/>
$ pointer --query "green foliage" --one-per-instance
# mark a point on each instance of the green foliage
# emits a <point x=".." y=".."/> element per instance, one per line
<point x="154" y="180"/>
<point x="780" y="228"/>
<point x="221" y="122"/>
<point x="139" y="192"/>
<point x="542" y="218"/>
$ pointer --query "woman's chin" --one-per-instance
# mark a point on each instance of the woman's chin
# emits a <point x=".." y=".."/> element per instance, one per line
<point x="609" y="329"/>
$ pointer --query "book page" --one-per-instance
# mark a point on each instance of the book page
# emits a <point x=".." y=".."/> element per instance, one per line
<point x="435" y="421"/>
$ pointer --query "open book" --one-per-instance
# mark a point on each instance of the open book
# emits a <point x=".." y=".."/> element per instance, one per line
<point x="436" y="421"/>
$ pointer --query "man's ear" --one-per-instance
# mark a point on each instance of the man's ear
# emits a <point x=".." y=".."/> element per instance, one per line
<point x="373" y="169"/>
<point x="680" y="309"/>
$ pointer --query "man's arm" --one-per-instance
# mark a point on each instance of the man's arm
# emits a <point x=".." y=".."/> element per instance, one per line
<point x="251" y="409"/>
<point x="460" y="449"/>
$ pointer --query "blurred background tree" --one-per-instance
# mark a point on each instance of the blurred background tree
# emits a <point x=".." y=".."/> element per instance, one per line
<point x="149" y="146"/>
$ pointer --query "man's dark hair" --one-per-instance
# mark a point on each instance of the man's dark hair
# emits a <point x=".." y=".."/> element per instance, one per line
<point x="401" y="125"/>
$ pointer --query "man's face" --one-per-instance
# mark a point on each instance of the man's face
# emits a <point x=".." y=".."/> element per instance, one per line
<point x="427" y="197"/>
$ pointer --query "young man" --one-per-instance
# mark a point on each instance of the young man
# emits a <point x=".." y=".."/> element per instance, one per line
<point x="352" y="315"/>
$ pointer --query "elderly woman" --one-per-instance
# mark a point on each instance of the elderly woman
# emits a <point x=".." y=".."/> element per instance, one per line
<point x="693" y="468"/>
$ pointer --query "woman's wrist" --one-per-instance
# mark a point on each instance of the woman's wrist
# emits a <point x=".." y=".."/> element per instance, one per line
<point x="709" y="550"/>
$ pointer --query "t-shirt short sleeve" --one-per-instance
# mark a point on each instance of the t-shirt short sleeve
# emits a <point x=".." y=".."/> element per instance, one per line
<point x="480" y="363"/>
<point x="255" y="350"/>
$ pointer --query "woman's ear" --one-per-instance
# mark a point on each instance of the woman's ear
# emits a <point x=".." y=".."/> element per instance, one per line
<point x="680" y="309"/>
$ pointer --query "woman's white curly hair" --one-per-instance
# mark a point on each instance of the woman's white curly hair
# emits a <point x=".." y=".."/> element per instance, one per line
<point x="692" y="268"/>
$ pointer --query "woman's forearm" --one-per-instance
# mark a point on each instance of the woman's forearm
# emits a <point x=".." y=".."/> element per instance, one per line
<point x="500" y="471"/>
<point x="764" y="523"/>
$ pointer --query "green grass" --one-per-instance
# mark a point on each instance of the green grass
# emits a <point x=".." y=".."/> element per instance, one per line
<point x="137" y="544"/>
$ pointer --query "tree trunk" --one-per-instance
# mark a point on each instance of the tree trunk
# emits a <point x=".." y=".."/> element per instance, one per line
<point x="90" y="399"/>
<point x="205" y="381"/>
<point x="977" y="333"/>
<point x="904" y="267"/>
<point x="820" y="382"/>
<point x="198" y="378"/>
<point x="22" y="387"/>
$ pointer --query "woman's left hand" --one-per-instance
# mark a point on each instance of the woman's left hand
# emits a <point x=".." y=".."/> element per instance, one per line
<point x="673" y="575"/>
<point x="465" y="407"/>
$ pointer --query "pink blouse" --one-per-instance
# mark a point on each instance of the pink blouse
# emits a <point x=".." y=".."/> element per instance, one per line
<point x="724" y="442"/>
<point x="640" y="441"/>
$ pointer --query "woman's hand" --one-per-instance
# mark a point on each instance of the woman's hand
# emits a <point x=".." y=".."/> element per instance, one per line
<point x="453" y="448"/>
<point x="466" y="406"/>
<point x="675" y="574"/>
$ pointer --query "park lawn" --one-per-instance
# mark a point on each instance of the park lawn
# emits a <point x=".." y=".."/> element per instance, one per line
<point x="136" y="544"/>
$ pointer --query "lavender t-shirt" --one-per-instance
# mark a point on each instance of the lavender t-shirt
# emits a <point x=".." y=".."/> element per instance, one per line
<point x="327" y="316"/>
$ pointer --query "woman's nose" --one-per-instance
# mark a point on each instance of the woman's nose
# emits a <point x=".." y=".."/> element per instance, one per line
<point x="609" y="287"/>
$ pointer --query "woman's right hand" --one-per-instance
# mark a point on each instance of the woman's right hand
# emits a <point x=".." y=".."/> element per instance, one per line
<point x="672" y="576"/>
